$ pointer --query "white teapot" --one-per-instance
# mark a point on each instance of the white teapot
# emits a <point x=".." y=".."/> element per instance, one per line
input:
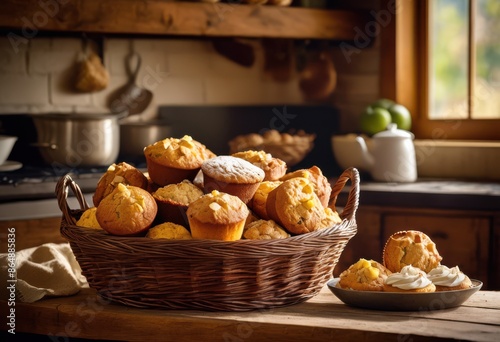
<point x="391" y="157"/>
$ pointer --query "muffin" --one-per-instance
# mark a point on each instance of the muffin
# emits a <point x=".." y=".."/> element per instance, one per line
<point x="172" y="160"/>
<point x="413" y="248"/>
<point x="169" y="231"/>
<point x="259" y="199"/>
<point x="409" y="279"/>
<point x="127" y="211"/>
<point x="234" y="176"/>
<point x="449" y="279"/>
<point x="264" y="230"/>
<point x="274" y="168"/>
<point x="331" y="218"/>
<point x="364" y="275"/>
<point x="217" y="216"/>
<point x="88" y="219"/>
<point x="295" y="206"/>
<point x="173" y="201"/>
<point x="322" y="186"/>
<point x="118" y="173"/>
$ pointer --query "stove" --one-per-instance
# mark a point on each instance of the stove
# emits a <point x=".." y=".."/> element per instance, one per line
<point x="35" y="182"/>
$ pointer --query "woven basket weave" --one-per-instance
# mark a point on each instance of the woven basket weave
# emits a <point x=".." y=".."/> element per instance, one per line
<point x="206" y="274"/>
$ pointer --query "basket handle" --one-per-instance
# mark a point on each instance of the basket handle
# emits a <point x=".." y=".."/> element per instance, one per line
<point x="351" y="206"/>
<point x="62" y="187"/>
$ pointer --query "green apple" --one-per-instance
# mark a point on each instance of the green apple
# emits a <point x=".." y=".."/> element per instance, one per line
<point x="383" y="103"/>
<point x="400" y="115"/>
<point x="374" y="120"/>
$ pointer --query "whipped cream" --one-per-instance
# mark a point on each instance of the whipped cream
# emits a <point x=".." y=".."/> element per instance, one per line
<point x="444" y="276"/>
<point x="408" y="278"/>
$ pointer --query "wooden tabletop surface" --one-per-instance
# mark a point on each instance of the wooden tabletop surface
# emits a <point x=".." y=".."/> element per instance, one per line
<point x="322" y="318"/>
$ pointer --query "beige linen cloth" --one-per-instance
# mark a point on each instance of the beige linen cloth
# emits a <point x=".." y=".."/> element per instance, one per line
<point x="46" y="270"/>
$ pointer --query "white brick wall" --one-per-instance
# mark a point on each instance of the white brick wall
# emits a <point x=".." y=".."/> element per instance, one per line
<point x="39" y="77"/>
<point x="179" y="72"/>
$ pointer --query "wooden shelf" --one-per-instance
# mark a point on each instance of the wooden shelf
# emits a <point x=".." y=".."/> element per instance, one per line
<point x="153" y="17"/>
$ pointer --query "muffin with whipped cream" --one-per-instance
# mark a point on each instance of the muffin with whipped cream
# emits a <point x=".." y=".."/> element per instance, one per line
<point x="364" y="275"/>
<point x="449" y="279"/>
<point x="409" y="279"/>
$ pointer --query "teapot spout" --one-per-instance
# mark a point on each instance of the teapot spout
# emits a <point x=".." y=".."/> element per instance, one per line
<point x="367" y="158"/>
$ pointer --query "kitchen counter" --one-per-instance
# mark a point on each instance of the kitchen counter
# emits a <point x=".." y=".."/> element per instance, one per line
<point x="429" y="193"/>
<point x="322" y="318"/>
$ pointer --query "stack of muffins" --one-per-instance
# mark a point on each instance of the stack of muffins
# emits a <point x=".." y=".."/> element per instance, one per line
<point x="411" y="264"/>
<point x="188" y="192"/>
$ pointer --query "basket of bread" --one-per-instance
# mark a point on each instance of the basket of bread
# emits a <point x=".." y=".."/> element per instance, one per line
<point x="211" y="232"/>
<point x="291" y="147"/>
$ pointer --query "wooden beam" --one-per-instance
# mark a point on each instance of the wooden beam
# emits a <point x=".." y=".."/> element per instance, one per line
<point x="179" y="18"/>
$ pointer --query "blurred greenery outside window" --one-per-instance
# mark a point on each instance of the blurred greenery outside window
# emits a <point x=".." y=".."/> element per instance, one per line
<point x="464" y="59"/>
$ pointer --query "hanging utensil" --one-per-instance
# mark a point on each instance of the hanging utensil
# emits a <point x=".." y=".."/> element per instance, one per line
<point x="91" y="75"/>
<point x="130" y="98"/>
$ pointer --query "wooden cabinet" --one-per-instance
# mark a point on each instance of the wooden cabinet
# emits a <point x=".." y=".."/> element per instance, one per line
<point x="468" y="239"/>
<point x="153" y="17"/>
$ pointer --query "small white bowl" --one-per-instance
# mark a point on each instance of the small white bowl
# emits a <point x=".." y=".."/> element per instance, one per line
<point x="6" y="144"/>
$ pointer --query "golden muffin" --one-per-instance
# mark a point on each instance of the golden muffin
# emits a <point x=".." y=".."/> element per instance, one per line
<point x="217" y="216"/>
<point x="409" y="279"/>
<point x="259" y="199"/>
<point x="331" y="218"/>
<point x="118" y="173"/>
<point x="172" y="160"/>
<point x="88" y="219"/>
<point x="449" y="279"/>
<point x="234" y="176"/>
<point x="364" y="275"/>
<point x="127" y="211"/>
<point x="264" y="230"/>
<point x="274" y="168"/>
<point x="322" y="186"/>
<point x="169" y="231"/>
<point x="413" y="248"/>
<point x="173" y="201"/>
<point x="295" y="206"/>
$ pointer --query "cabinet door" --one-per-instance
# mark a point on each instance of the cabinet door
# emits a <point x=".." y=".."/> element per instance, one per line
<point x="462" y="241"/>
<point x="366" y="243"/>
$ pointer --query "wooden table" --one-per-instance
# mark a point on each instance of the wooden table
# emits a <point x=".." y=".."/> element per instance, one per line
<point x="322" y="318"/>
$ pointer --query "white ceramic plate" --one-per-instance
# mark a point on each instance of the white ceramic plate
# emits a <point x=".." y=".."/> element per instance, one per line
<point x="396" y="301"/>
<point x="10" y="165"/>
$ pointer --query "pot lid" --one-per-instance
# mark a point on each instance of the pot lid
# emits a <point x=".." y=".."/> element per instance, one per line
<point x="393" y="132"/>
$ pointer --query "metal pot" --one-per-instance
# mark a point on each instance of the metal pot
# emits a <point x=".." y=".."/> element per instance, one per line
<point x="77" y="140"/>
<point x="134" y="136"/>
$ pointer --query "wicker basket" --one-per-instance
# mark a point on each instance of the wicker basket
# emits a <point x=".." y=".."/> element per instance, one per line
<point x="205" y="274"/>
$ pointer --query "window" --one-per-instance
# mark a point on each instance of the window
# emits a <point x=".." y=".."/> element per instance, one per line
<point x="441" y="58"/>
<point x="464" y="59"/>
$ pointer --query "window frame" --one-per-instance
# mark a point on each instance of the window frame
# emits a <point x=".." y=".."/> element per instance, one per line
<point x="404" y="75"/>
